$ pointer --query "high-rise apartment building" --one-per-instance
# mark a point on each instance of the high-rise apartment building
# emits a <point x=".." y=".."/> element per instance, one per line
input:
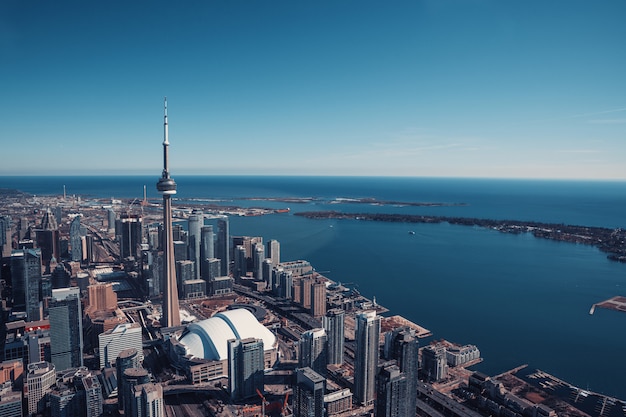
<point x="222" y="247"/>
<point x="402" y="345"/>
<point x="111" y="221"/>
<point x="207" y="250"/>
<point x="40" y="377"/>
<point x="90" y="386"/>
<point x="212" y="269"/>
<point x="285" y="283"/>
<point x="240" y="266"/>
<point x="272" y="251"/>
<point x="132" y="378"/>
<point x="318" y="298"/>
<point x="245" y="367"/>
<point x="306" y="286"/>
<point x="258" y="258"/>
<point x="333" y="323"/>
<point x="366" y="357"/>
<point x="268" y="275"/>
<point x="392" y="393"/>
<point x="434" y="362"/>
<point x="147" y="401"/>
<point x="308" y="393"/>
<point x="127" y="359"/>
<point x="196" y="221"/>
<point x="65" y="401"/>
<point x="185" y="271"/>
<point x="66" y="328"/>
<point x="313" y="351"/>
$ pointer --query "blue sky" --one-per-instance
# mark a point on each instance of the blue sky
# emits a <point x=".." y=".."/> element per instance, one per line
<point x="472" y="88"/>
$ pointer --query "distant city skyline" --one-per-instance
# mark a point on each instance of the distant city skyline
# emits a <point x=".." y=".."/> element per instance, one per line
<point x="413" y="88"/>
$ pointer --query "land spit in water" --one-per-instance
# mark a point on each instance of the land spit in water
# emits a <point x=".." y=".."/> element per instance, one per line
<point x="611" y="241"/>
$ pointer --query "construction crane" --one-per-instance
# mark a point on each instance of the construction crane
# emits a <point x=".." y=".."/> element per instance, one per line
<point x="283" y="412"/>
<point x="263" y="402"/>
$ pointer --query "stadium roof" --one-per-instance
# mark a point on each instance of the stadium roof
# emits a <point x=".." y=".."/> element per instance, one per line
<point x="208" y="339"/>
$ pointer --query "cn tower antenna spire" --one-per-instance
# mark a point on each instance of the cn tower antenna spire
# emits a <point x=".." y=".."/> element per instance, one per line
<point x="166" y="141"/>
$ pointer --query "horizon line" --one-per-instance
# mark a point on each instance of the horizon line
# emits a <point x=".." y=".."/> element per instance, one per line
<point x="120" y="174"/>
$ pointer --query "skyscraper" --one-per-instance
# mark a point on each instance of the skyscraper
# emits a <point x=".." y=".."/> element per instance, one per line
<point x="127" y="359"/>
<point x="26" y="280"/>
<point x="245" y="367"/>
<point x="366" y="356"/>
<point x="66" y="328"/>
<point x="285" y="283"/>
<point x="196" y="221"/>
<point x="167" y="187"/>
<point x="222" y="247"/>
<point x="313" y="351"/>
<point x="128" y="230"/>
<point x="392" y="393"/>
<point x="308" y="393"/>
<point x="184" y="272"/>
<point x="402" y="345"/>
<point x="47" y="238"/>
<point x="207" y="249"/>
<point x="268" y="275"/>
<point x="240" y="267"/>
<point x="333" y="324"/>
<point x="318" y="298"/>
<point x="75" y="240"/>
<point x="60" y="277"/>
<point x="5" y="236"/>
<point x="133" y="377"/>
<point x="212" y="269"/>
<point x="273" y="251"/>
<point x="258" y="258"/>
<point x="111" y="221"/>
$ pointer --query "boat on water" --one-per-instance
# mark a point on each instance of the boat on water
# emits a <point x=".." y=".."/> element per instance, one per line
<point x="411" y="232"/>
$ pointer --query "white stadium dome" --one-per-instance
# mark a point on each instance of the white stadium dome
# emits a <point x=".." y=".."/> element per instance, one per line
<point x="208" y="339"/>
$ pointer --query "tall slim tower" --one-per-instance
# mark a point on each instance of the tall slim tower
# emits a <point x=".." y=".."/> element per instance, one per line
<point x="196" y="221"/>
<point x="167" y="187"/>
<point x="222" y="249"/>
<point x="333" y="324"/>
<point x="314" y="350"/>
<point x="366" y="357"/>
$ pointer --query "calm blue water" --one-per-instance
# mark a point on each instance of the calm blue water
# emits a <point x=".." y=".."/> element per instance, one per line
<point x="519" y="299"/>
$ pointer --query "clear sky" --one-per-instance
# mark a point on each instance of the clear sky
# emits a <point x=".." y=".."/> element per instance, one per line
<point x="467" y="88"/>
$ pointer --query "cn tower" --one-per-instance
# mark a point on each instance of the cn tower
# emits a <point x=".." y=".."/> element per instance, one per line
<point x="167" y="187"/>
